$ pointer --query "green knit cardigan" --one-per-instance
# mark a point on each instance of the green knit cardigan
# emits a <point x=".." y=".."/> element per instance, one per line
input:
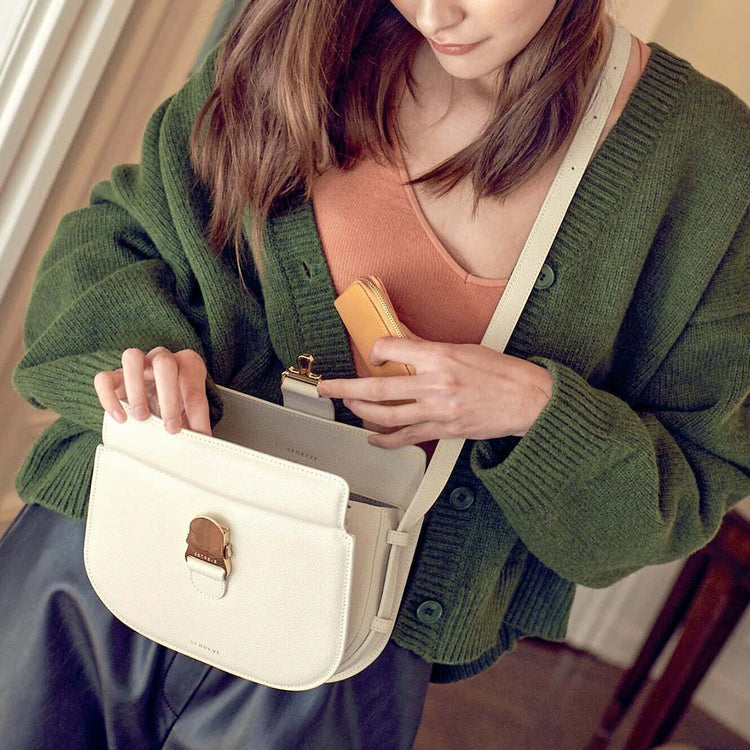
<point x="643" y="446"/>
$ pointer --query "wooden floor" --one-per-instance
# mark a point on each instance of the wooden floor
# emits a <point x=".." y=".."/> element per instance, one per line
<point x="543" y="696"/>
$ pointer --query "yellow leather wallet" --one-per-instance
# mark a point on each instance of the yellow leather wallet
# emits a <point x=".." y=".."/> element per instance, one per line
<point x="367" y="312"/>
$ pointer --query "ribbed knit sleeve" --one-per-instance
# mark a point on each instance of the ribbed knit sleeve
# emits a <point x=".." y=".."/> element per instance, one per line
<point x="101" y="288"/>
<point x="598" y="488"/>
<point x="128" y="270"/>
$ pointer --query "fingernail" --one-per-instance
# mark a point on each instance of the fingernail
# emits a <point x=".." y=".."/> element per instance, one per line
<point x="173" y="425"/>
<point x="140" y="411"/>
<point x="118" y="416"/>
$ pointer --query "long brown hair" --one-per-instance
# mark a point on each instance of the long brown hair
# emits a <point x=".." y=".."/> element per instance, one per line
<point x="303" y="85"/>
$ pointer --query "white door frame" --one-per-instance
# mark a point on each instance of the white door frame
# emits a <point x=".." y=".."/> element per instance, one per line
<point x="50" y="67"/>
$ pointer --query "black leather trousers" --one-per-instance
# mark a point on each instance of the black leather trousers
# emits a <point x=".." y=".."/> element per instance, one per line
<point x="73" y="676"/>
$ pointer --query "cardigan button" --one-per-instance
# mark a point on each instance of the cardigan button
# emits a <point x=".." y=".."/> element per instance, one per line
<point x="429" y="612"/>
<point x="461" y="498"/>
<point x="546" y="277"/>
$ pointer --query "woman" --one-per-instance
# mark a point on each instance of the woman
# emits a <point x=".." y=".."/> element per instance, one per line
<point x="610" y="434"/>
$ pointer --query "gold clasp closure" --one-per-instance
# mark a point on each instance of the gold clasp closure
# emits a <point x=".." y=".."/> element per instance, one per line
<point x="303" y="372"/>
<point x="208" y="540"/>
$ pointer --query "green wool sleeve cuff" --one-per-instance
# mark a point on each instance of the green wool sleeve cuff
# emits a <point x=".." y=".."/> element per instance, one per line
<point x="596" y="489"/>
<point x="57" y="472"/>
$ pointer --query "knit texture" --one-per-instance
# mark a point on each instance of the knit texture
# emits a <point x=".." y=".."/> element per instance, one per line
<point x="643" y="446"/>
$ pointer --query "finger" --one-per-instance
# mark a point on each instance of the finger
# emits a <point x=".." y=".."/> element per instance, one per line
<point x="152" y="397"/>
<point x="410" y="334"/>
<point x="106" y="384"/>
<point x="166" y="375"/>
<point x="133" y="361"/>
<point x="192" y="381"/>
<point x="419" y="353"/>
<point x="120" y="391"/>
<point x="389" y="416"/>
<point x="410" y="435"/>
<point x="391" y="388"/>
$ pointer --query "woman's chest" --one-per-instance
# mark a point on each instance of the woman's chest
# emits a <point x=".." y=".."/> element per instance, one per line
<point x="486" y="243"/>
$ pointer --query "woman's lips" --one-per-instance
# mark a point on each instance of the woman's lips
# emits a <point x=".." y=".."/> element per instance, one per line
<point x="452" y="49"/>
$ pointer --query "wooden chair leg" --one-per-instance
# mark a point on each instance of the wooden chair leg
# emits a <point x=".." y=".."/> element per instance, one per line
<point x="671" y="614"/>
<point x="716" y="610"/>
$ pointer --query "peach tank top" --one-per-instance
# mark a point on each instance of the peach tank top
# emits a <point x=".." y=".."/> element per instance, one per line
<point x="370" y="223"/>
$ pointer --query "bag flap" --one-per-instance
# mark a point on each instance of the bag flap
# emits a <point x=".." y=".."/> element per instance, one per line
<point x="282" y="619"/>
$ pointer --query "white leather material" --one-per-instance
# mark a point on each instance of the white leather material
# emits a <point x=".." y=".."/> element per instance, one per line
<point x="283" y="516"/>
<point x="382" y="626"/>
<point x="284" y="616"/>
<point x="398" y="538"/>
<point x="304" y="397"/>
<point x="390" y="476"/>
<point x="208" y="579"/>
<point x="318" y="569"/>
<point x="369" y="525"/>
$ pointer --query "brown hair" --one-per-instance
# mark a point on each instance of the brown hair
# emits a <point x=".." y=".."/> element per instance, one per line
<point x="303" y="85"/>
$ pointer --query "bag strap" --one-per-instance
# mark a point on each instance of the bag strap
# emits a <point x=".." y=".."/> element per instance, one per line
<point x="535" y="250"/>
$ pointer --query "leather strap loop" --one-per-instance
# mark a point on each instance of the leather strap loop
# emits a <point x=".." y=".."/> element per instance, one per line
<point x="304" y="397"/>
<point x="209" y="580"/>
<point x="381" y="625"/>
<point x="397" y="538"/>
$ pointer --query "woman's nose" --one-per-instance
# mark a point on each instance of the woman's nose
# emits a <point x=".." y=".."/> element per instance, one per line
<point x="436" y="19"/>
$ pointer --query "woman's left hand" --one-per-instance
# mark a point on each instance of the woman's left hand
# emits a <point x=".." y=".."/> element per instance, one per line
<point x="459" y="390"/>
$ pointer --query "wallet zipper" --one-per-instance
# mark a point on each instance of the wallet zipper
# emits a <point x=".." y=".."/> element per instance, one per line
<point x="384" y="305"/>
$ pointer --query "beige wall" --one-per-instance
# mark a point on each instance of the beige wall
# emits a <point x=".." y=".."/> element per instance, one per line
<point x="712" y="34"/>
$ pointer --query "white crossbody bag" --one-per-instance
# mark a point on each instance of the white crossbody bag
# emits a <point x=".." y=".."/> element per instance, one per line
<point x="278" y="549"/>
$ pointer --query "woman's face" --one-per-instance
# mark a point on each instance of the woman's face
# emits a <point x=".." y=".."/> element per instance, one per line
<point x="499" y="28"/>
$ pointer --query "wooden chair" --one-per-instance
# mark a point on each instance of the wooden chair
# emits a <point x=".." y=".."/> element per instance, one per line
<point x="709" y="595"/>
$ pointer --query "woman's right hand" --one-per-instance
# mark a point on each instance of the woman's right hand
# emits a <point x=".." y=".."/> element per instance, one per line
<point x="170" y="385"/>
